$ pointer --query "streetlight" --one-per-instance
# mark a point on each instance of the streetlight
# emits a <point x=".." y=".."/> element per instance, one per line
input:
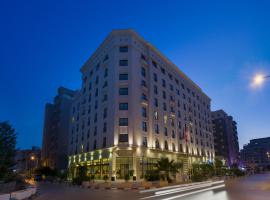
<point x="259" y="79"/>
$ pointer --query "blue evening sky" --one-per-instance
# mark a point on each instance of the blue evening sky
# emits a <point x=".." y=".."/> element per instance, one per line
<point x="219" y="44"/>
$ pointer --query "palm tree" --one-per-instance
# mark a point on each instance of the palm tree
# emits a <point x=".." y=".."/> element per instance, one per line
<point x="168" y="167"/>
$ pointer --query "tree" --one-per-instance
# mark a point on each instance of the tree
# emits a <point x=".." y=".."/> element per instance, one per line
<point x="81" y="175"/>
<point x="219" y="167"/>
<point x="8" y="138"/>
<point x="169" y="167"/>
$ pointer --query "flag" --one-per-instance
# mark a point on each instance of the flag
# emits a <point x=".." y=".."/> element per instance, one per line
<point x="186" y="133"/>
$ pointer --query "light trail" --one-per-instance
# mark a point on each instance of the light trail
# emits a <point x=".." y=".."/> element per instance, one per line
<point x="183" y="189"/>
<point x="195" y="192"/>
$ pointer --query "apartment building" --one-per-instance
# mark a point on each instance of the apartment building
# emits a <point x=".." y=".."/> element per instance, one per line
<point x="54" y="152"/>
<point x="225" y="137"/>
<point x="256" y="154"/>
<point x="134" y="107"/>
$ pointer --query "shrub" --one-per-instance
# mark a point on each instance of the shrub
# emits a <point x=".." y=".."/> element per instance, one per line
<point x="92" y="177"/>
<point x="152" y="175"/>
<point x="127" y="177"/>
<point x="197" y="177"/>
<point x="105" y="178"/>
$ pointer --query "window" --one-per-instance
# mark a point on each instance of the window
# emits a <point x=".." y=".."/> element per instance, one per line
<point x="123" y="106"/>
<point x="163" y="83"/>
<point x="154" y="64"/>
<point x="173" y="147"/>
<point x="156" y="102"/>
<point x="123" y="77"/>
<point x="105" y="111"/>
<point x="162" y="70"/>
<point x="143" y="57"/>
<point x="123" y="63"/>
<point x="145" y="141"/>
<point x="96" y="92"/>
<point x="144" y="112"/>
<point x="105" y="58"/>
<point x="165" y="119"/>
<point x="180" y="148"/>
<point x="106" y="72"/>
<point x="123" y="91"/>
<point x="143" y="97"/>
<point x="105" y="98"/>
<point x="155" y="115"/>
<point x="123" y="49"/>
<point x="96" y="104"/>
<point x="164" y="106"/>
<point x="96" y="82"/>
<point x="183" y="86"/>
<point x="105" y="84"/>
<point x="144" y="126"/>
<point x="95" y="119"/>
<point x="172" y="122"/>
<point x="173" y="134"/>
<point x="104" y="142"/>
<point x="155" y="77"/>
<point x="123" y="121"/>
<point x="97" y="67"/>
<point x="156" y="128"/>
<point x="143" y="83"/>
<point x="104" y="127"/>
<point x="164" y="94"/>
<point x="123" y="137"/>
<point x="157" y="144"/>
<point x="143" y="71"/>
<point x="171" y="87"/>
<point x="155" y="89"/>
<point x="165" y="131"/>
<point x="166" y="145"/>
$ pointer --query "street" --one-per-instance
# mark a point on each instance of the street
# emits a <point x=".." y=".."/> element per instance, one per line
<point x="255" y="187"/>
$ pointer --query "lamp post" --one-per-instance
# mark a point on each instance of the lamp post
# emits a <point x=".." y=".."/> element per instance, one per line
<point x="259" y="79"/>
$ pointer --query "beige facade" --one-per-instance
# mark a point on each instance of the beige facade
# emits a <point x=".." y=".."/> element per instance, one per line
<point x="134" y="107"/>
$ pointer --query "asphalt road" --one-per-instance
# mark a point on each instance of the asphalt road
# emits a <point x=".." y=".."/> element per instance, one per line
<point x="256" y="187"/>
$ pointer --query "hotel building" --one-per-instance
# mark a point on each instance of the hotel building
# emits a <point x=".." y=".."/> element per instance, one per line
<point x="134" y="107"/>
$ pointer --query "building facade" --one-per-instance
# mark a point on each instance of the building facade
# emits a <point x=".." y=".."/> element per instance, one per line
<point x="56" y="130"/>
<point x="256" y="154"/>
<point x="225" y="137"/>
<point x="27" y="160"/>
<point x="134" y="107"/>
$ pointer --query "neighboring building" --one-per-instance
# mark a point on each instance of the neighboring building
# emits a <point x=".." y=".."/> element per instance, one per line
<point x="134" y="107"/>
<point x="225" y="137"/>
<point x="56" y="130"/>
<point x="256" y="154"/>
<point x="27" y="160"/>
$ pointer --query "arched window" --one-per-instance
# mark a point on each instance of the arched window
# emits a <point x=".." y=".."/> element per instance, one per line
<point x="166" y="145"/>
<point x="173" y="147"/>
<point x="157" y="144"/>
